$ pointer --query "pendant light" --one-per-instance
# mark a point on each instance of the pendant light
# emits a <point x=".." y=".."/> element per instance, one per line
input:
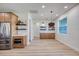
<point x="51" y="24"/>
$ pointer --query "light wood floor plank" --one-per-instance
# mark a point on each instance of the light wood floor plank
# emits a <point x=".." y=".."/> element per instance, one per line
<point x="41" y="48"/>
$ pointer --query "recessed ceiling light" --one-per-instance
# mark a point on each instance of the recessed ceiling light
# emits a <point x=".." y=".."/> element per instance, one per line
<point x="43" y="6"/>
<point x="65" y="7"/>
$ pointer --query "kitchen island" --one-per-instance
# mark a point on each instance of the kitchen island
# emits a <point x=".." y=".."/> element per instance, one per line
<point x="47" y="34"/>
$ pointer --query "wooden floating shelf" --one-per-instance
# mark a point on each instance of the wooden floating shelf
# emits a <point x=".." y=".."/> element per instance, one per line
<point x="21" y="29"/>
<point x="21" y="24"/>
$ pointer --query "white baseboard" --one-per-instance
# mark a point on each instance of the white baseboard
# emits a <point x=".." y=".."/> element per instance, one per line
<point x="69" y="46"/>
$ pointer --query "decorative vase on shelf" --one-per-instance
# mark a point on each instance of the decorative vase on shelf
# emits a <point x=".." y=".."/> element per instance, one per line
<point x="19" y="22"/>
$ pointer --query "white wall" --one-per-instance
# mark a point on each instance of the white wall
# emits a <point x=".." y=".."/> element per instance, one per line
<point x="30" y="30"/>
<point x="36" y="30"/>
<point x="72" y="37"/>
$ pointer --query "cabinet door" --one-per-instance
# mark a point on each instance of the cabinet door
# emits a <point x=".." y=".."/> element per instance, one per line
<point x="1" y="17"/>
<point x="47" y="35"/>
<point x="14" y="20"/>
<point x="51" y="35"/>
<point x="7" y="17"/>
<point x="43" y="36"/>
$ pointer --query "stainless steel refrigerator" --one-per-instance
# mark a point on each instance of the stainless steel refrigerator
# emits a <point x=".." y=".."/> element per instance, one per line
<point x="5" y="35"/>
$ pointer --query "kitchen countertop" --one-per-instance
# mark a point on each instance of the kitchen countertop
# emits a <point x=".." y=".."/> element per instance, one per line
<point x="47" y="31"/>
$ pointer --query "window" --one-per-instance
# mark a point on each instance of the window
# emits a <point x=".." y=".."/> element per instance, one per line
<point x="63" y="25"/>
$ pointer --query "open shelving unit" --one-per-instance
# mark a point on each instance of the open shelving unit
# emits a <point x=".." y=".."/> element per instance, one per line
<point x="21" y="27"/>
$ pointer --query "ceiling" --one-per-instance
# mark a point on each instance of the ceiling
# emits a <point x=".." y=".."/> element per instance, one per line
<point x="36" y="10"/>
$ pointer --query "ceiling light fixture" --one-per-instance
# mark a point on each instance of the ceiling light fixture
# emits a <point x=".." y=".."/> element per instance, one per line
<point x="51" y="11"/>
<point x="43" y="6"/>
<point x="51" y="24"/>
<point x="65" y="7"/>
